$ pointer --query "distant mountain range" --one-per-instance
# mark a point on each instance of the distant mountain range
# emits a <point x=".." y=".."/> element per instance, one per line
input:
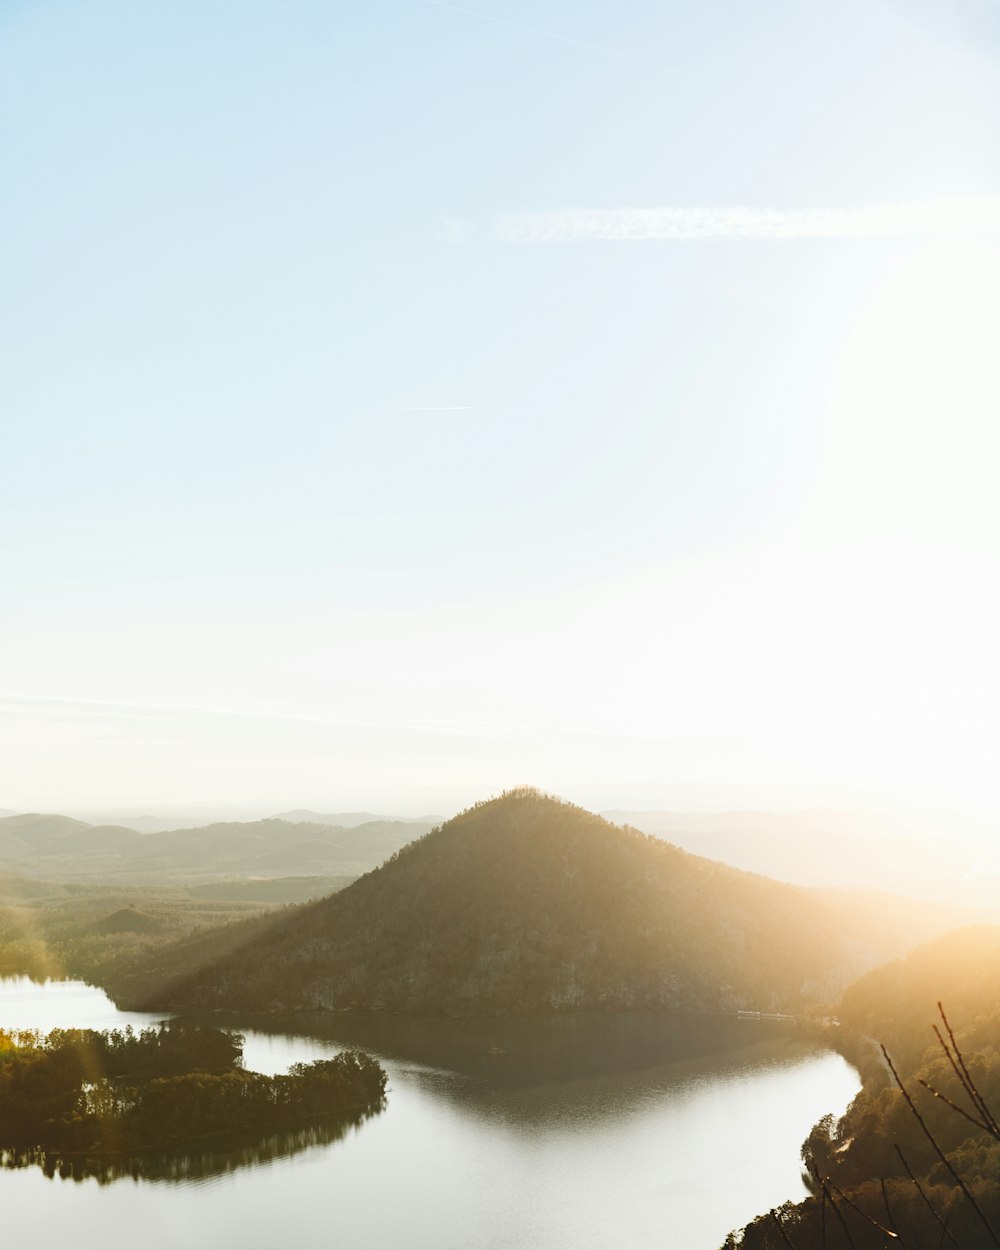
<point x="524" y="903"/>
<point x="821" y="847"/>
<point x="350" y="820"/>
<point x="60" y="848"/>
<point x="191" y="818"/>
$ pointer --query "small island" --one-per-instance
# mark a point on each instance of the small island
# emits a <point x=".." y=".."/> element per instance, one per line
<point x="118" y="1093"/>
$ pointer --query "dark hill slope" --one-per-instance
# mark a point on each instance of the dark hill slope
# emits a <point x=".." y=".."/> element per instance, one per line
<point x="875" y="1151"/>
<point x="522" y="902"/>
<point x="897" y="1003"/>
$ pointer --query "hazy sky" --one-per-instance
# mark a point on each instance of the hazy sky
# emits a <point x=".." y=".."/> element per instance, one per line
<point x="402" y="400"/>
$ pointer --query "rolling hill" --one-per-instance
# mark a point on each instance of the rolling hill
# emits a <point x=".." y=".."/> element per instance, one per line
<point x="59" y="848"/>
<point x="350" y="820"/>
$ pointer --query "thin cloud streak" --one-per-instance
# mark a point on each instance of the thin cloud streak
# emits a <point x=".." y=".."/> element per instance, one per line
<point x="968" y="215"/>
<point x="53" y="708"/>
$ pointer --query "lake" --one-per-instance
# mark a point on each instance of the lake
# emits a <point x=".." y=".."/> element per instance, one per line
<point x="479" y="1147"/>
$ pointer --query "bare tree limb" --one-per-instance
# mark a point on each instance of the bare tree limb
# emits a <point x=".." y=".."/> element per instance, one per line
<point x="977" y="1099"/>
<point x="941" y="1155"/>
<point x="930" y="1205"/>
<point x="954" y="1106"/>
<point x="781" y="1229"/>
<point x="889" y="1215"/>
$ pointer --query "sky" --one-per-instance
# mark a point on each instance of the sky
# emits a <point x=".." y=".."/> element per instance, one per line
<point x="401" y="401"/>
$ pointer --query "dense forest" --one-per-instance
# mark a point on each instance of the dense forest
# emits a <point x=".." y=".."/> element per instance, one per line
<point x="83" y="1093"/>
<point x="86" y="928"/>
<point x="916" y="1160"/>
<point x="519" y="904"/>
<point x="524" y="902"/>
<point x="49" y="930"/>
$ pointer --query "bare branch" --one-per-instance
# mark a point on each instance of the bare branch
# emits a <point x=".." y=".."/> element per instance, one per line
<point x="940" y="1153"/>
<point x="889" y="1215"/>
<point x="954" y="1106"/>
<point x="886" y="1232"/>
<point x="781" y="1229"/>
<point x="970" y="1085"/>
<point x="930" y="1205"/>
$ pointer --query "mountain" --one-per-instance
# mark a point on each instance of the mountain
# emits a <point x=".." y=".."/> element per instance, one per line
<point x="525" y="902"/>
<point x="141" y="824"/>
<point x="32" y="834"/>
<point x="271" y="848"/>
<point x="60" y="848"/>
<point x="886" y="1154"/>
<point x="350" y="820"/>
<point x="821" y="848"/>
<point x="39" y="828"/>
<point x="892" y="924"/>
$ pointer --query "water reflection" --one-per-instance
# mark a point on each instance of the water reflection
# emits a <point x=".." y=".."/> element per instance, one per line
<point x="47" y="1005"/>
<point x="508" y="1053"/>
<point x="189" y="1165"/>
<point x="665" y="1132"/>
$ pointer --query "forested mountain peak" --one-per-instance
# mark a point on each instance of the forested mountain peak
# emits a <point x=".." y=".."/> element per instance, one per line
<point x="526" y="902"/>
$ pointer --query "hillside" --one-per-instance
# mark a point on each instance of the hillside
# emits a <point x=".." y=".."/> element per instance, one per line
<point x="818" y="848"/>
<point x="863" y="1156"/>
<point x="524" y="903"/>
<point x="59" y="848"/>
<point x="896" y="1003"/>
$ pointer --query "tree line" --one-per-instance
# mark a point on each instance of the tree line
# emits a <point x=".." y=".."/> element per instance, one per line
<point x="915" y="1162"/>
<point x="80" y="1092"/>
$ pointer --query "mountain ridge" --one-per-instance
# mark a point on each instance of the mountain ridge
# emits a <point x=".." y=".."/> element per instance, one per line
<point x="54" y="847"/>
<point x="526" y="902"/>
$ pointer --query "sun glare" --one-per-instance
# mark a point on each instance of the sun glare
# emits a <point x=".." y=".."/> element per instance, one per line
<point x="913" y="405"/>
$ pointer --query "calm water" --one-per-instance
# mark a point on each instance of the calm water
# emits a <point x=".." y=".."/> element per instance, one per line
<point x="667" y="1156"/>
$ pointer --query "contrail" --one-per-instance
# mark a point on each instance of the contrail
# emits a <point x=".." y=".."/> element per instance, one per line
<point x="639" y="60"/>
<point x="437" y="408"/>
<point x="922" y="218"/>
